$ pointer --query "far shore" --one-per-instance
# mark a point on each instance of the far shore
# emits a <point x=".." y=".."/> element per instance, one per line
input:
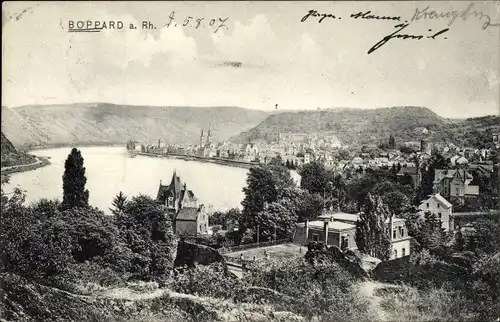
<point x="41" y="162"/>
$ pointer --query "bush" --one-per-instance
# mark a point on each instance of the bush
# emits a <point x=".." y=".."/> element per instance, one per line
<point x="208" y="280"/>
<point x="87" y="278"/>
<point x="323" y="291"/>
<point x="410" y="304"/>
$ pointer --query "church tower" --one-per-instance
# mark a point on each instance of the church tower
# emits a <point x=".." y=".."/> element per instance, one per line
<point x="202" y="140"/>
<point x="209" y="137"/>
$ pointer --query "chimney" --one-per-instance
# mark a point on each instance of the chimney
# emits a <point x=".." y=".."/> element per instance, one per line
<point x="325" y="231"/>
<point x="306" y="233"/>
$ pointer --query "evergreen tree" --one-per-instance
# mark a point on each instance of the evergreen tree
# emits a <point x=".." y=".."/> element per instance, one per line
<point x="430" y="233"/>
<point x="392" y="142"/>
<point x="119" y="203"/>
<point x="74" y="180"/>
<point x="371" y="233"/>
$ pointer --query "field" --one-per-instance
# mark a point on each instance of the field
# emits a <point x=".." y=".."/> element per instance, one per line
<point x="276" y="251"/>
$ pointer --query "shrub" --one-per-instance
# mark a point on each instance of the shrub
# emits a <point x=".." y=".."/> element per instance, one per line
<point x="437" y="304"/>
<point x="202" y="280"/>
<point x="322" y="291"/>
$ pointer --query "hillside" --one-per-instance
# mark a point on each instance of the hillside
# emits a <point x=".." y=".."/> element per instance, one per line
<point x="26" y="300"/>
<point x="358" y="126"/>
<point x="7" y="146"/>
<point x="100" y="123"/>
<point x="10" y="156"/>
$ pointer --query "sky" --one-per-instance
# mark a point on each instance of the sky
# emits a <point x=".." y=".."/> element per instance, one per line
<point x="263" y="55"/>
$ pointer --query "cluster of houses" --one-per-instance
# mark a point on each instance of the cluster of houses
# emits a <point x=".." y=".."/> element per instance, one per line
<point x="299" y="149"/>
<point x="190" y="218"/>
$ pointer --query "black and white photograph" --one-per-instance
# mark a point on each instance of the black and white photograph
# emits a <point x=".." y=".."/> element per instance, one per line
<point x="255" y="161"/>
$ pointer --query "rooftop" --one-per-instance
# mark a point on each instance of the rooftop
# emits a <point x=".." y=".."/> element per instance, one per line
<point x="332" y="225"/>
<point x="339" y="216"/>
<point x="394" y="220"/>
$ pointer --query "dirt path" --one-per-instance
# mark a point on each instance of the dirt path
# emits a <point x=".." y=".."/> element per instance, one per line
<point x="368" y="289"/>
<point x="128" y="294"/>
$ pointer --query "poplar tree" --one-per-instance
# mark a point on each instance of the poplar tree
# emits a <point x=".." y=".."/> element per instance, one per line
<point x="74" y="180"/>
<point x="371" y="234"/>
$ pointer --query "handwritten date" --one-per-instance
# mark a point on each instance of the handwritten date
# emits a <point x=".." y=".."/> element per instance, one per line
<point x="197" y="22"/>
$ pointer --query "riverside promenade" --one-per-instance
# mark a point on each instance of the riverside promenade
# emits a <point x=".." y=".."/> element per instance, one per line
<point x="186" y="157"/>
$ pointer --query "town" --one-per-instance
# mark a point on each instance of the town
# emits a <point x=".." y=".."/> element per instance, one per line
<point x="454" y="185"/>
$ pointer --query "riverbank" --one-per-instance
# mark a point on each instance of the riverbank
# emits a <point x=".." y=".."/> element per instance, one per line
<point x="219" y="161"/>
<point x="40" y="162"/>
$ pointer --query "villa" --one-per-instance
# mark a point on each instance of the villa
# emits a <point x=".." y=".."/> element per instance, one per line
<point x="339" y="229"/>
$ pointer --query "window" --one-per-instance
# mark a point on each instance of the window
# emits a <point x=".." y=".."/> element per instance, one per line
<point x="315" y="237"/>
<point x="402" y="231"/>
<point x="439" y="215"/>
<point x="395" y="253"/>
<point x="394" y="233"/>
<point x="439" y="205"/>
<point x="404" y="252"/>
<point x="427" y="205"/>
<point x="170" y="202"/>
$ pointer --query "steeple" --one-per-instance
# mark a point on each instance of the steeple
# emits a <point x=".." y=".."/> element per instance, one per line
<point x="209" y="137"/>
<point x="202" y="139"/>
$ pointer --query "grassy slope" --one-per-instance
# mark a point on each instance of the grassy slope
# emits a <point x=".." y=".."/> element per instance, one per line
<point x="109" y="123"/>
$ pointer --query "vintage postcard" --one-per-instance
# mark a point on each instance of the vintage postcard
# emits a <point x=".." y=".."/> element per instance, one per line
<point x="250" y="161"/>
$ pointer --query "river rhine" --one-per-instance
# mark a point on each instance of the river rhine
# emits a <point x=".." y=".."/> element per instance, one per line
<point x="110" y="170"/>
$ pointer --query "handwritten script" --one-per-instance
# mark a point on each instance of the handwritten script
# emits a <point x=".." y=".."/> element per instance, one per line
<point x="369" y="16"/>
<point x="396" y="34"/>
<point x="452" y="16"/>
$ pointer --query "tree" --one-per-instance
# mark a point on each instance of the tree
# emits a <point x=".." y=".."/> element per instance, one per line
<point x="119" y="203"/>
<point x="397" y="202"/>
<point x="265" y="184"/>
<point x="487" y="234"/>
<point x="224" y="218"/>
<point x="314" y="177"/>
<point x="430" y="234"/>
<point x="148" y="233"/>
<point x="277" y="220"/>
<point x="371" y="234"/>
<point x="437" y="161"/>
<point x="392" y="142"/>
<point x="74" y="180"/>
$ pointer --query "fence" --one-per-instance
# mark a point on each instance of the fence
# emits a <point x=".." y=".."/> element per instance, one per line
<point x="233" y="249"/>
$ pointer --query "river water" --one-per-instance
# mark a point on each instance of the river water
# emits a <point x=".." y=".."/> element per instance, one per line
<point x="110" y="170"/>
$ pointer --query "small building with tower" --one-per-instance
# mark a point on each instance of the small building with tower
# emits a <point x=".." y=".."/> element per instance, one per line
<point x="189" y="218"/>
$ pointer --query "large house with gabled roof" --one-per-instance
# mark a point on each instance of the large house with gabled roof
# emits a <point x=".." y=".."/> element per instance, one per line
<point x="441" y="208"/>
<point x="188" y="217"/>
<point x="454" y="183"/>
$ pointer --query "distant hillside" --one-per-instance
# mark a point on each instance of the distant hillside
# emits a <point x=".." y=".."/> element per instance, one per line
<point x="99" y="123"/>
<point x="349" y="125"/>
<point x="476" y="132"/>
<point x="359" y="127"/>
